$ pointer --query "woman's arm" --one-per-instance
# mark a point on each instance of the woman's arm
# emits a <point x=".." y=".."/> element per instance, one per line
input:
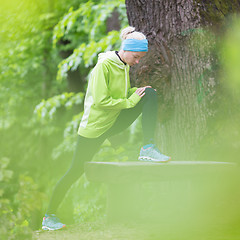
<point x="100" y="92"/>
<point x="131" y="91"/>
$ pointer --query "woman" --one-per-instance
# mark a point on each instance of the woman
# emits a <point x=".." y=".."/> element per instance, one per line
<point x="110" y="106"/>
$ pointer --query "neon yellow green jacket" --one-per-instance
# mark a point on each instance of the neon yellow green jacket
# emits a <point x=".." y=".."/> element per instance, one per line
<point x="107" y="94"/>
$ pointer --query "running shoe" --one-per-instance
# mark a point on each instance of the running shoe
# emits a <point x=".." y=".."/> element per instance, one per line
<point x="151" y="153"/>
<point x="51" y="222"/>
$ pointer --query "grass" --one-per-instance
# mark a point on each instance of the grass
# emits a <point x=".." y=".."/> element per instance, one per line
<point x="103" y="231"/>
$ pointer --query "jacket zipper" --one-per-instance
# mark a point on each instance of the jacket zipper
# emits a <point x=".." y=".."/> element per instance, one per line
<point x="125" y="81"/>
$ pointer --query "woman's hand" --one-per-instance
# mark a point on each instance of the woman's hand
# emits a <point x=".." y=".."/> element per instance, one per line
<point x="141" y="91"/>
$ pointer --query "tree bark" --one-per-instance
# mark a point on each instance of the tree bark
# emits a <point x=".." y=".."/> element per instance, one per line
<point x="180" y="65"/>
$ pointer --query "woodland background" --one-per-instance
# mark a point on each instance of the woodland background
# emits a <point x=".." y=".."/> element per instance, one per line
<point x="46" y="53"/>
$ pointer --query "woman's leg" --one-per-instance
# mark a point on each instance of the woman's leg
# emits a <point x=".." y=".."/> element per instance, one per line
<point x="85" y="150"/>
<point x="149" y="115"/>
<point x="148" y="107"/>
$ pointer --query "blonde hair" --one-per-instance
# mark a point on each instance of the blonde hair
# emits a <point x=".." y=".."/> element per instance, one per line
<point x="130" y="33"/>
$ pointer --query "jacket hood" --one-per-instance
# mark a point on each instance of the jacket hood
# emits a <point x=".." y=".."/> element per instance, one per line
<point x="111" y="56"/>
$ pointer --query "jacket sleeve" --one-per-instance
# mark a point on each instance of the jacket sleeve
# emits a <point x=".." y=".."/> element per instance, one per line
<point x="100" y="92"/>
<point x="131" y="91"/>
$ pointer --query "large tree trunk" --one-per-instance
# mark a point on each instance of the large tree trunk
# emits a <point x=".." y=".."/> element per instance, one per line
<point x="180" y="64"/>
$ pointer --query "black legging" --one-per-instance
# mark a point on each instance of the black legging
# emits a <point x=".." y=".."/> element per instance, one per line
<point x="87" y="147"/>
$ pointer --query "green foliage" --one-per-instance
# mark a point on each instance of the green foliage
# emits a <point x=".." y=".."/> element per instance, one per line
<point x="5" y="175"/>
<point x="92" y="204"/>
<point x="69" y="142"/>
<point x="87" y="54"/>
<point x="87" y="26"/>
<point x="46" y="110"/>
<point x="15" y="214"/>
<point x="25" y="53"/>
<point x="47" y="113"/>
<point x="75" y="25"/>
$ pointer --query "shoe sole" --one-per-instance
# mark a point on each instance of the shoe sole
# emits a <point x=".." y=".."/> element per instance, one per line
<point x="52" y="229"/>
<point x="148" y="159"/>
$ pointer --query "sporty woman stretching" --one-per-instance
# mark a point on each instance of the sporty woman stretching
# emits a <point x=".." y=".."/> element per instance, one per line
<point x="110" y="106"/>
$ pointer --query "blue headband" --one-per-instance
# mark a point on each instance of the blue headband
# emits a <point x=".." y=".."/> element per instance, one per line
<point x="135" y="45"/>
